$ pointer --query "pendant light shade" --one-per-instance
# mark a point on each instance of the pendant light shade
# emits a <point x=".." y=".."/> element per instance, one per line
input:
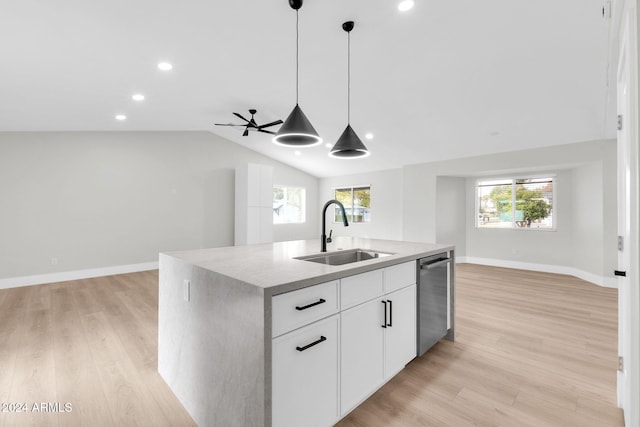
<point x="297" y="130"/>
<point x="349" y="146"/>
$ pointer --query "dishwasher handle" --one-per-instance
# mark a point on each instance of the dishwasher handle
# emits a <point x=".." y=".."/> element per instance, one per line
<point x="435" y="264"/>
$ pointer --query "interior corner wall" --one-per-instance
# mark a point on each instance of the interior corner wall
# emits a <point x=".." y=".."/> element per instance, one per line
<point x="84" y="200"/>
<point x="588" y="217"/>
<point x="386" y="204"/>
<point x="420" y="198"/>
<point x="451" y="212"/>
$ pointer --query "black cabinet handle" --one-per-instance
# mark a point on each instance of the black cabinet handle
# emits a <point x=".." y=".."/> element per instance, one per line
<point x="620" y="273"/>
<point x="384" y="325"/>
<point x="390" y="313"/>
<point x="322" y="338"/>
<point x="313" y="304"/>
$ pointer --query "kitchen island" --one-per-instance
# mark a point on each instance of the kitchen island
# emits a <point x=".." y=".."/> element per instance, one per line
<point x="234" y="323"/>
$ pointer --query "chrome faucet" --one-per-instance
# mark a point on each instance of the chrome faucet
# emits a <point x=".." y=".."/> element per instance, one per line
<point x="323" y="238"/>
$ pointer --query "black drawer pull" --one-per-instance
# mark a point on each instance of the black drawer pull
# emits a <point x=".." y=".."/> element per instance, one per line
<point x="390" y="313"/>
<point x="313" y="304"/>
<point x="384" y="325"/>
<point x="620" y="273"/>
<point x="322" y="338"/>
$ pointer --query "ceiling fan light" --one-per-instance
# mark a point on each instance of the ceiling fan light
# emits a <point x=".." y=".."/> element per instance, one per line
<point x="297" y="131"/>
<point x="349" y="146"/>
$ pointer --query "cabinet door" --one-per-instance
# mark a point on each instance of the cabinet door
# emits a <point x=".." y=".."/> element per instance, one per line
<point x="361" y="354"/>
<point x="400" y="336"/>
<point x="305" y="375"/>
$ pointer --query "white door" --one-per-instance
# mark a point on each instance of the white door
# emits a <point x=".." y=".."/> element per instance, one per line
<point x="400" y="338"/>
<point x="362" y="341"/>
<point x="305" y="376"/>
<point x="628" y="295"/>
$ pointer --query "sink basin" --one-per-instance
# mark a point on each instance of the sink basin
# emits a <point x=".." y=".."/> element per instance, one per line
<point x="345" y="257"/>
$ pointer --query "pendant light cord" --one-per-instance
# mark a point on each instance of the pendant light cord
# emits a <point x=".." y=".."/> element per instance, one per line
<point x="297" y="51"/>
<point x="349" y="78"/>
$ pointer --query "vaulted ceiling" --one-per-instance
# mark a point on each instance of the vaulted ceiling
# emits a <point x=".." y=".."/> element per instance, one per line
<point x="447" y="79"/>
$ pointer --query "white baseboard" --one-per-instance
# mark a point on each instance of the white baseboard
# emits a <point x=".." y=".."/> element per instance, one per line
<point x="39" y="279"/>
<point x="607" y="282"/>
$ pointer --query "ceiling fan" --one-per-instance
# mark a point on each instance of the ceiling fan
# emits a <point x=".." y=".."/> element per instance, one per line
<point x="251" y="125"/>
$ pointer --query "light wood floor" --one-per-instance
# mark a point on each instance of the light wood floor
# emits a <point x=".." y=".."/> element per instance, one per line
<point x="531" y="349"/>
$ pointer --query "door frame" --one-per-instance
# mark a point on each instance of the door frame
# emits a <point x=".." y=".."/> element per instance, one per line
<point x="628" y="290"/>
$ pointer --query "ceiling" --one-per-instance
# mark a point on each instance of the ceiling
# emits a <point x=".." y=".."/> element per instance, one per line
<point x="447" y="79"/>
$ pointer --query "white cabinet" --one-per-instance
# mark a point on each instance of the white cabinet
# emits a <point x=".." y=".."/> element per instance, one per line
<point x="400" y="337"/>
<point x="399" y="276"/>
<point x="378" y="337"/>
<point x="360" y="288"/>
<point x="336" y="343"/>
<point x="298" y="308"/>
<point x="362" y="352"/>
<point x="305" y="375"/>
<point x="253" y="204"/>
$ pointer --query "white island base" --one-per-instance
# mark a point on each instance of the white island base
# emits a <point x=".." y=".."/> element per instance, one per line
<point x="250" y="336"/>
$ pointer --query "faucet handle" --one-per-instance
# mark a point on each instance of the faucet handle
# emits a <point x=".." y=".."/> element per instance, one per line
<point x="329" y="238"/>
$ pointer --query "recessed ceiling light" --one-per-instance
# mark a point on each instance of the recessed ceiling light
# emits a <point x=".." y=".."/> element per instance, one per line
<point x="405" y="5"/>
<point x="121" y="117"/>
<point x="165" y="66"/>
<point x="368" y="135"/>
<point x="137" y="97"/>
<point x="298" y="153"/>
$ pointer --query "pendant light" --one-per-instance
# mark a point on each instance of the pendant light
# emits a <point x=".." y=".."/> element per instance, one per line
<point x="297" y="130"/>
<point x="349" y="145"/>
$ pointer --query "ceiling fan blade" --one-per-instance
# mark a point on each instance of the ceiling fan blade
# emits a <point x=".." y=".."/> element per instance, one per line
<point x="238" y="115"/>
<point x="277" y="122"/>
<point x="246" y="132"/>
<point x="266" y="131"/>
<point x="226" y="124"/>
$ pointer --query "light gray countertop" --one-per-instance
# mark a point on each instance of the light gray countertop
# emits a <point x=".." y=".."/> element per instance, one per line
<point x="272" y="266"/>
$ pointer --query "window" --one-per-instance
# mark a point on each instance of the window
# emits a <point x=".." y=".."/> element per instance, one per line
<point x="356" y="202"/>
<point x="522" y="203"/>
<point x="288" y="205"/>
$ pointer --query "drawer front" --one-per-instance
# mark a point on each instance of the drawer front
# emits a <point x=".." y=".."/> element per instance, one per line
<point x="298" y="308"/>
<point x="360" y="288"/>
<point x="305" y="376"/>
<point x="399" y="276"/>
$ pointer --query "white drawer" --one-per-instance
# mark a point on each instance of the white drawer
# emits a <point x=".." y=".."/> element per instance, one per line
<point x="305" y="377"/>
<point x="298" y="308"/>
<point x="399" y="276"/>
<point x="360" y="288"/>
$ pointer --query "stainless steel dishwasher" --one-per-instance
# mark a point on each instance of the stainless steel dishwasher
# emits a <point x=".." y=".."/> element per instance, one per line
<point x="433" y="304"/>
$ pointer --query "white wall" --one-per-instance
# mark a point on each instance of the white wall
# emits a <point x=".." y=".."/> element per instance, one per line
<point x="548" y="247"/>
<point x="386" y="204"/>
<point x="96" y="199"/>
<point x="452" y="212"/>
<point x="423" y="222"/>
<point x="588" y="217"/>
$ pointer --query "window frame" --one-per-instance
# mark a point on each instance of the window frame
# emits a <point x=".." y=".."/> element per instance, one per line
<point x="513" y="178"/>
<point x="304" y="202"/>
<point x="352" y="188"/>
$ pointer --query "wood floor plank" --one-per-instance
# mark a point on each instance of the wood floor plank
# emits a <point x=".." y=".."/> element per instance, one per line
<point x="33" y="380"/>
<point x="532" y="349"/>
<point x="75" y="370"/>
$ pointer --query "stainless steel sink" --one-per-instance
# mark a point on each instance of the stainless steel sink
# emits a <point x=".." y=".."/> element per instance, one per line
<point x="344" y="257"/>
